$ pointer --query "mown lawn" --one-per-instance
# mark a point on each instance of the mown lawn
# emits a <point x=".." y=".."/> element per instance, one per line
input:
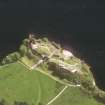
<point x="74" y="96"/>
<point x="19" y="84"/>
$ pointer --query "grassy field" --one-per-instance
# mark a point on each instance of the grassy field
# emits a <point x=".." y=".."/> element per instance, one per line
<point x="19" y="84"/>
<point x="74" y="96"/>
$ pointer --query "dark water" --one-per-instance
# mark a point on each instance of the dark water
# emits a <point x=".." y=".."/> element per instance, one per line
<point x="77" y="25"/>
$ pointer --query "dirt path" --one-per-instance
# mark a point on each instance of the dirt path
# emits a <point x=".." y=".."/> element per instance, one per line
<point x="36" y="65"/>
<point x="58" y="80"/>
<point x="54" y="78"/>
<point x="50" y="102"/>
<point x="41" y="60"/>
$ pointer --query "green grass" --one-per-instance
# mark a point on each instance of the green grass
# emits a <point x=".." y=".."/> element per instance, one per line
<point x="43" y="50"/>
<point x="27" y="61"/>
<point x="75" y="96"/>
<point x="73" y="61"/>
<point x="19" y="84"/>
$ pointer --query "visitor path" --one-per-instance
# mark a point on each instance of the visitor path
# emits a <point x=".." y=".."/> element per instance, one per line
<point x="74" y="68"/>
<point x="49" y="75"/>
<point x="50" y="102"/>
<point x="42" y="60"/>
<point x="56" y="79"/>
<point x="35" y="67"/>
<point x="6" y="65"/>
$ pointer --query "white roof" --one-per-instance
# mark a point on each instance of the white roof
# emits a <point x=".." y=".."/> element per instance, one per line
<point x="34" y="46"/>
<point x="67" y="53"/>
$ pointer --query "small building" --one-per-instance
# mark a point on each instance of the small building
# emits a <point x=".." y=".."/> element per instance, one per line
<point x="67" y="54"/>
<point x="34" y="46"/>
<point x="31" y="36"/>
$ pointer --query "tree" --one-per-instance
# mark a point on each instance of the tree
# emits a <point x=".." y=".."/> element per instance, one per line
<point x="11" y="58"/>
<point x="30" y="54"/>
<point x="2" y="102"/>
<point x="20" y="103"/>
<point x="45" y="39"/>
<point x="23" y="50"/>
<point x="8" y="59"/>
<point x="17" y="55"/>
<point x="3" y="62"/>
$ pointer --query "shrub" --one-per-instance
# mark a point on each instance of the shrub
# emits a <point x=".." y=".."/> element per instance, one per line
<point x="14" y="56"/>
<point x="2" y="102"/>
<point x="45" y="39"/>
<point x="40" y="103"/>
<point x="11" y="58"/>
<point x="87" y="83"/>
<point x="75" y="78"/>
